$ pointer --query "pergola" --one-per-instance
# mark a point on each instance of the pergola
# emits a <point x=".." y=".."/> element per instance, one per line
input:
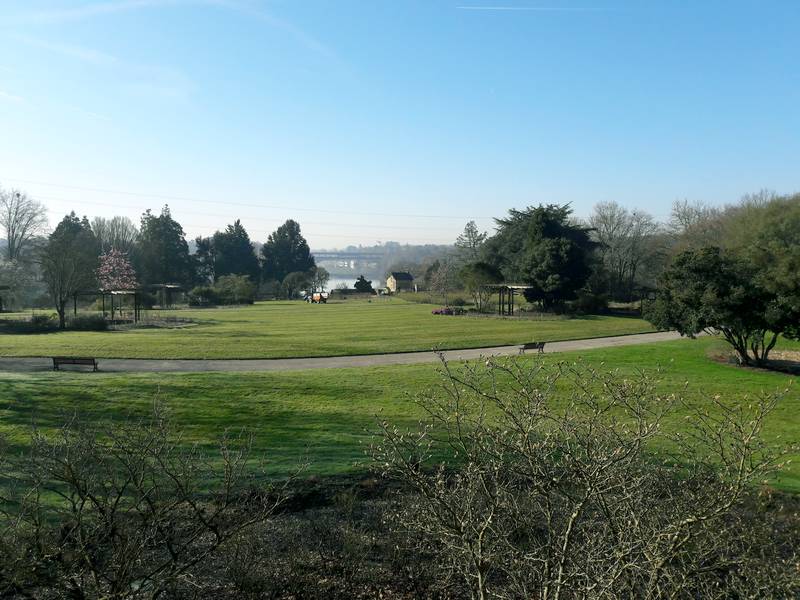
<point x="505" y="296"/>
<point x="164" y="291"/>
<point x="111" y="294"/>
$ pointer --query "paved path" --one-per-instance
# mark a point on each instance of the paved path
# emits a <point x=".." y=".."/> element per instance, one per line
<point x="125" y="365"/>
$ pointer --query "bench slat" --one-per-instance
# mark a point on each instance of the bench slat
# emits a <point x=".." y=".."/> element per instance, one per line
<point x="74" y="360"/>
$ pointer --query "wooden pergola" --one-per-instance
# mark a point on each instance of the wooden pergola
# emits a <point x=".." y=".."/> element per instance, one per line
<point x="505" y="296"/>
<point x="111" y="294"/>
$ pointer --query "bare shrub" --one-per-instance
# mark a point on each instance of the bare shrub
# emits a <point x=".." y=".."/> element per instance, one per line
<point x="124" y="511"/>
<point x="561" y="481"/>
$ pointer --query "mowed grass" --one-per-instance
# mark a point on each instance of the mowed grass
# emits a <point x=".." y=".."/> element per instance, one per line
<point x="297" y="329"/>
<point x="328" y="417"/>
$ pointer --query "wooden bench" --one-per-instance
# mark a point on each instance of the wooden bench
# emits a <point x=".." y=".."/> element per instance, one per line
<point x="73" y="360"/>
<point x="532" y="346"/>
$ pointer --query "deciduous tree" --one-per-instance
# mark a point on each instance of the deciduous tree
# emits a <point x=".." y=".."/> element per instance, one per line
<point x="68" y="261"/>
<point x="477" y="277"/>
<point x="116" y="272"/>
<point x="21" y="218"/>
<point x="625" y="244"/>
<point x="116" y="233"/>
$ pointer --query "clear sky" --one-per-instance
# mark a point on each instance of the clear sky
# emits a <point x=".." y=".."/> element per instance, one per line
<point x="394" y="120"/>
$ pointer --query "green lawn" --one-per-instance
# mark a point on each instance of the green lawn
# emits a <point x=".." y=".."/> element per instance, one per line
<point x="293" y="329"/>
<point x="329" y="415"/>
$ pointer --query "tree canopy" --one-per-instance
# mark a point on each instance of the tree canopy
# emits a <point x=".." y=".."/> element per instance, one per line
<point x="708" y="289"/>
<point x="286" y="251"/>
<point x="68" y="261"/>
<point x="233" y="253"/>
<point x="363" y="285"/>
<point x="162" y="255"/>
<point x="541" y="247"/>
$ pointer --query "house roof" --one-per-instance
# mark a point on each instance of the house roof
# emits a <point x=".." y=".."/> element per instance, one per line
<point x="402" y="276"/>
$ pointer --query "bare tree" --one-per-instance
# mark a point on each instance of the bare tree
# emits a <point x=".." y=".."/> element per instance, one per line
<point x="125" y="511"/>
<point x="443" y="277"/>
<point x="523" y="492"/>
<point x="22" y="218"/>
<point x="117" y="233"/>
<point x="319" y="278"/>
<point x="625" y="239"/>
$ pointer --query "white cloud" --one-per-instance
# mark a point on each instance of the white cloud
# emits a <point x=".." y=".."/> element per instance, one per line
<point x="10" y="97"/>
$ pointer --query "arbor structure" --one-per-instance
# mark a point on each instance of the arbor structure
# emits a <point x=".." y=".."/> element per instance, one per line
<point x="285" y="251"/>
<point x="542" y="248"/>
<point x="477" y="278"/>
<point x="162" y="254"/>
<point x="21" y="218"/>
<point x="68" y="261"/>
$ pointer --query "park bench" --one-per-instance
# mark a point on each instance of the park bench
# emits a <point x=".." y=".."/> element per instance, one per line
<point x="532" y="346"/>
<point x="73" y="360"/>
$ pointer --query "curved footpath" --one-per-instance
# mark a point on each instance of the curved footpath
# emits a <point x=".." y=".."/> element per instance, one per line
<point x="130" y="365"/>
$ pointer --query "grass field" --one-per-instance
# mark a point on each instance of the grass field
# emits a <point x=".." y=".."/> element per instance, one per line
<point x="329" y="415"/>
<point x="295" y="329"/>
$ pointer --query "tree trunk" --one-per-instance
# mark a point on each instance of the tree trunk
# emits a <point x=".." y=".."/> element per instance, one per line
<point x="61" y="309"/>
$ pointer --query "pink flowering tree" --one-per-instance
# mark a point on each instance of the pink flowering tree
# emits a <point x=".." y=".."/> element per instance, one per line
<point x="116" y="272"/>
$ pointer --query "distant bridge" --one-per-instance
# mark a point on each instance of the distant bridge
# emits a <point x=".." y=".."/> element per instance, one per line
<point x="359" y="256"/>
<point x="347" y="262"/>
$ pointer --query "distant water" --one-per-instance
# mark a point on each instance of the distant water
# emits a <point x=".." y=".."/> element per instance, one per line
<point x="337" y="280"/>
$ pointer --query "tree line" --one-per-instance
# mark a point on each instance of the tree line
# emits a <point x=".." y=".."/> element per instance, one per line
<point x="733" y="269"/>
<point x="83" y="256"/>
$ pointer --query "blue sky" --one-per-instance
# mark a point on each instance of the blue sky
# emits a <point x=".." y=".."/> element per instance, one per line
<point x="394" y="120"/>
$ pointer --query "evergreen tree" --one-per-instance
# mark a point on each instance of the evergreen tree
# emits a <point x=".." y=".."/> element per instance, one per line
<point x="541" y="247"/>
<point x="363" y="285"/>
<point x="286" y="251"/>
<point x="162" y="254"/>
<point x="204" y="260"/>
<point x="469" y="243"/>
<point x="233" y="253"/>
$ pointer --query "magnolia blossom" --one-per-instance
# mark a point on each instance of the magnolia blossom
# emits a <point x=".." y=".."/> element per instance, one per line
<point x="116" y="272"/>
